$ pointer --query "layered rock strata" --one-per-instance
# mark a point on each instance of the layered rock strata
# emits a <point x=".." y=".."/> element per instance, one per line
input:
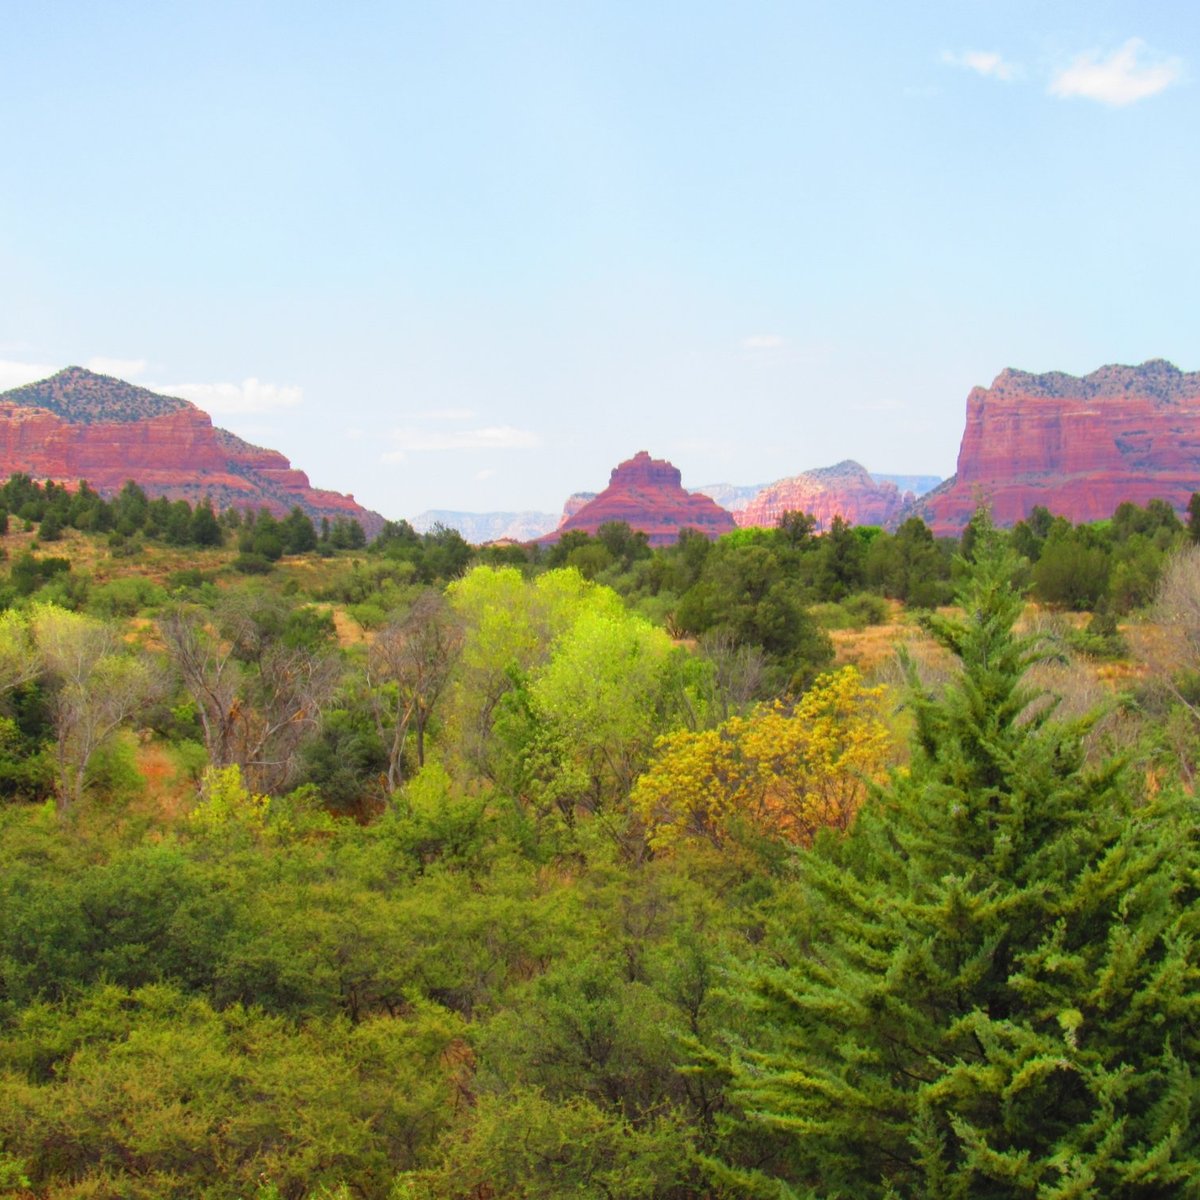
<point x="1078" y="446"/>
<point x="80" y="425"/>
<point x="647" y="494"/>
<point x="845" y="490"/>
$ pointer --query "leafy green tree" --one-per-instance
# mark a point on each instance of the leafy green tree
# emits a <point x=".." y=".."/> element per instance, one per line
<point x="1073" y="570"/>
<point x="626" y="545"/>
<point x="444" y="554"/>
<point x="841" y="563"/>
<point x="743" y="590"/>
<point x="566" y="545"/>
<point x="613" y="684"/>
<point x="510" y="626"/>
<point x="909" y="565"/>
<point x="395" y="536"/>
<point x="989" y="988"/>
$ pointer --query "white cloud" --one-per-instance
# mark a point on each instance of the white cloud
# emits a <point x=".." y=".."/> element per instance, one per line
<point x="982" y="62"/>
<point x="486" y="473"/>
<point x="15" y="374"/>
<point x="763" y="341"/>
<point x="249" y="396"/>
<point x="494" y="437"/>
<point x="1121" y="78"/>
<point x="122" y="368"/>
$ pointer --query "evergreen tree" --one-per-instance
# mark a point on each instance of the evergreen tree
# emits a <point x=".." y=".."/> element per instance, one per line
<point x="205" y="529"/>
<point x="1193" y="521"/>
<point x="990" y="988"/>
<point x="297" y="532"/>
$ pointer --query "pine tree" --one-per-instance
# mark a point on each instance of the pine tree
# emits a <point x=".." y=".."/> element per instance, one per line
<point x="990" y="989"/>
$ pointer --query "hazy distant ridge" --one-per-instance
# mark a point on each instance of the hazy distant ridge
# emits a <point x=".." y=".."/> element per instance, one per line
<point x="487" y="526"/>
<point x="919" y="485"/>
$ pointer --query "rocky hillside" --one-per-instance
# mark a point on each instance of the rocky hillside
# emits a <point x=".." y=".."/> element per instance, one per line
<point x="1079" y="446"/>
<point x="846" y="490"/>
<point x="80" y="425"/>
<point x="647" y="494"/>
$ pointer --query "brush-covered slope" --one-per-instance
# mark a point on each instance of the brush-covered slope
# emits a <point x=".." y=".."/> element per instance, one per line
<point x="81" y="425"/>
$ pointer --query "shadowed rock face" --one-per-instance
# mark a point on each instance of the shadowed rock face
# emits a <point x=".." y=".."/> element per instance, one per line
<point x="845" y="490"/>
<point x="646" y="493"/>
<point x="80" y="425"/>
<point x="1079" y="446"/>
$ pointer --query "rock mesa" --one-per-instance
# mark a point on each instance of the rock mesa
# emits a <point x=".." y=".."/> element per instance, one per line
<point x="1078" y="446"/>
<point x="80" y="425"/>
<point x="648" y="495"/>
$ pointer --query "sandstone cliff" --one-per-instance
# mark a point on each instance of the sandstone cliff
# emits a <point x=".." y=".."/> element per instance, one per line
<point x="1079" y="446"/>
<point x="846" y="490"/>
<point x="80" y="425"/>
<point x="647" y="494"/>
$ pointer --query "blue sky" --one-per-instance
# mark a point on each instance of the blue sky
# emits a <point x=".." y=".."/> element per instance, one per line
<point x="471" y="255"/>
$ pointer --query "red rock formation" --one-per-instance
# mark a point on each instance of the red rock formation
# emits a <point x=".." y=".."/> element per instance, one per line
<point x="844" y="490"/>
<point x="107" y="432"/>
<point x="646" y="493"/>
<point x="574" y="502"/>
<point x="1079" y="446"/>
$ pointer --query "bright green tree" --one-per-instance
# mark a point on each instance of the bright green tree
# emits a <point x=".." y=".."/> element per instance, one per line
<point x="991" y="988"/>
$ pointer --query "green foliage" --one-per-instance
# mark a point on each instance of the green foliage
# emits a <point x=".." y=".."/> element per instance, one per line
<point x="170" y="1098"/>
<point x="1073" y="570"/>
<point x="493" y="978"/>
<point x="226" y="805"/>
<point x="743" y="591"/>
<point x="988" y="989"/>
<point x="346" y="761"/>
<point x="526" y="1144"/>
<point x="29" y="573"/>
<point x="124" y="597"/>
<point x="910" y="565"/>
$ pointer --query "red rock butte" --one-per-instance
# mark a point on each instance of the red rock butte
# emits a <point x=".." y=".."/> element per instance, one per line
<point x="1078" y="446"/>
<point x="80" y="425"/>
<point x="647" y="494"/>
<point x="845" y="490"/>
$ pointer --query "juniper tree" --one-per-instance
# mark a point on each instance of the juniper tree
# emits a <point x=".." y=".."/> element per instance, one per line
<point x="990" y="989"/>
